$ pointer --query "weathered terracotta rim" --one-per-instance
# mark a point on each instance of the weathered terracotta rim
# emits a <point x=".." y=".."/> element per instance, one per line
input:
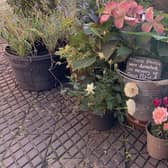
<point x="148" y="132"/>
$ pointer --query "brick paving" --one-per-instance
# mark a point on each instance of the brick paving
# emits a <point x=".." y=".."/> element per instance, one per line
<point x="41" y="130"/>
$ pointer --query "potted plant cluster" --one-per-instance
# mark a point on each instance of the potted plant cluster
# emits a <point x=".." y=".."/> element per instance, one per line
<point x="157" y="130"/>
<point x="90" y="54"/>
<point x="138" y="31"/>
<point x="33" y="41"/>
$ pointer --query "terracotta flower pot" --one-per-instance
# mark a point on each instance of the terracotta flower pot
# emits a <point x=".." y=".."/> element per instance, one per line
<point x="156" y="147"/>
<point x="103" y="123"/>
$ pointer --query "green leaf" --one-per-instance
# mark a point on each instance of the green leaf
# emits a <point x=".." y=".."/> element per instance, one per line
<point x="123" y="51"/>
<point x="110" y="105"/>
<point x="84" y="63"/>
<point x="157" y="37"/>
<point x="116" y="88"/>
<point x="95" y="32"/>
<point x="35" y="31"/>
<point x="118" y="97"/>
<point x="108" y="49"/>
<point x="162" y="49"/>
<point x="143" y="42"/>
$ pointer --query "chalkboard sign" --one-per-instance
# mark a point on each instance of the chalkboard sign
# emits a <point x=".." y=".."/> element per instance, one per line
<point x="144" y="68"/>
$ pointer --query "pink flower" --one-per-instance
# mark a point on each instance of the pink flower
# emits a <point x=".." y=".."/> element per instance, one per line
<point x="134" y="14"/>
<point x="151" y="22"/>
<point x="160" y="115"/>
<point x="107" y="12"/>
<point x="165" y="101"/>
<point x="157" y="102"/>
<point x="165" y="126"/>
<point x="120" y="12"/>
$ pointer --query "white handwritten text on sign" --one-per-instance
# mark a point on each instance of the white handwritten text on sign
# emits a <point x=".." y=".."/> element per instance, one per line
<point x="144" y="68"/>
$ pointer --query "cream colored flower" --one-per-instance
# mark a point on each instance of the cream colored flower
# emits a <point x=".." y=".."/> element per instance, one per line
<point x="131" y="89"/>
<point x="131" y="106"/>
<point x="101" y="55"/>
<point x="90" y="88"/>
<point x="110" y="61"/>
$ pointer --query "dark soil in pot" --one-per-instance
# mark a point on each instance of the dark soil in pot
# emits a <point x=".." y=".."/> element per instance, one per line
<point x="34" y="73"/>
<point x="103" y="123"/>
<point x="156" y="147"/>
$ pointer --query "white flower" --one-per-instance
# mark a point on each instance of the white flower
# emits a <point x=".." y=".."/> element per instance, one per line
<point x="131" y="106"/>
<point x="101" y="55"/>
<point x="110" y="61"/>
<point x="131" y="89"/>
<point x="90" y="88"/>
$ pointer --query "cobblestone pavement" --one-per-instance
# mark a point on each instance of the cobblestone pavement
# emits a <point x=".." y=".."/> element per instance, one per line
<point x="40" y="130"/>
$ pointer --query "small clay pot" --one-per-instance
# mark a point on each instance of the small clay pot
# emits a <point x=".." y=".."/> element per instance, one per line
<point x="161" y="5"/>
<point x="103" y="123"/>
<point x="156" y="147"/>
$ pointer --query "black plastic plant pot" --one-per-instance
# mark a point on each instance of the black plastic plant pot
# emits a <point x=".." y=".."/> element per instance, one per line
<point x="34" y="73"/>
<point x="103" y="123"/>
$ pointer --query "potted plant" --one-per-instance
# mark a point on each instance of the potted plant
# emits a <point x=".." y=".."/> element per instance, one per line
<point x="32" y="43"/>
<point x="101" y="96"/>
<point x="137" y="32"/>
<point x="157" y="130"/>
<point x="96" y="84"/>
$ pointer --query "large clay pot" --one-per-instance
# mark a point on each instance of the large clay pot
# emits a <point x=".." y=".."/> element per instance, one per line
<point x="148" y="90"/>
<point x="156" y="147"/>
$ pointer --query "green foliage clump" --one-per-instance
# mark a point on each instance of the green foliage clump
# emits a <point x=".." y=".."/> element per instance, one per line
<point x="15" y="31"/>
<point x="81" y="52"/>
<point x="106" y="96"/>
<point x="27" y="7"/>
<point x="21" y="33"/>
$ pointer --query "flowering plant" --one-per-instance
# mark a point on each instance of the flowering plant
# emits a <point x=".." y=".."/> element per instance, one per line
<point x="159" y="127"/>
<point x="121" y="29"/>
<point x="131" y="13"/>
<point x="136" y="30"/>
<point x="99" y="92"/>
<point x="139" y="30"/>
